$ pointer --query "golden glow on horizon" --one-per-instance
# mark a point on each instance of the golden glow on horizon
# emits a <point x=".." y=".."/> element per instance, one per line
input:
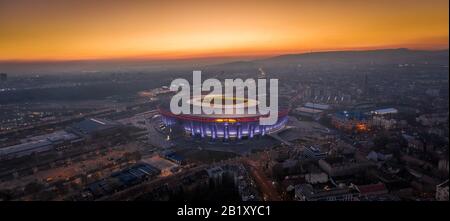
<point x="81" y="29"/>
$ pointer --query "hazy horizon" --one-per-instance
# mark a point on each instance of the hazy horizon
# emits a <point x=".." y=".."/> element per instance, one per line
<point x="212" y="57"/>
<point x="148" y="64"/>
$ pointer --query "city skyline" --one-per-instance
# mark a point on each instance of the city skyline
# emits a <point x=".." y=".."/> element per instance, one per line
<point x="81" y="30"/>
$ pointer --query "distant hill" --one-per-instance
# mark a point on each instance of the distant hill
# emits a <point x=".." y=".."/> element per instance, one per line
<point x="313" y="59"/>
<point x="369" y="55"/>
<point x="339" y="59"/>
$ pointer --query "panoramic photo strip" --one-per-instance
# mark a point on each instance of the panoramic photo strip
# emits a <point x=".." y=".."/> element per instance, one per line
<point x="208" y="109"/>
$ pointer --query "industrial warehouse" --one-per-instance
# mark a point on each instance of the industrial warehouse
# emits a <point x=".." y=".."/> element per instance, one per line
<point x="73" y="135"/>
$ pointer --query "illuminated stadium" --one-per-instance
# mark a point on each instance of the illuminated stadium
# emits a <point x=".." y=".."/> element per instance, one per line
<point x="224" y="126"/>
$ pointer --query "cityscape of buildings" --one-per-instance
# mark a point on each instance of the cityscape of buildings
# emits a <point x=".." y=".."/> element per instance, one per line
<point x="360" y="126"/>
<point x="233" y="109"/>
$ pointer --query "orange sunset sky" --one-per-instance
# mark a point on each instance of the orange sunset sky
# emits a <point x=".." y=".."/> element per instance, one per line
<point x="81" y="29"/>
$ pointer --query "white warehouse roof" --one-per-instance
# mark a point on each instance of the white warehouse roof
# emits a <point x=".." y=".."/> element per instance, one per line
<point x="385" y="111"/>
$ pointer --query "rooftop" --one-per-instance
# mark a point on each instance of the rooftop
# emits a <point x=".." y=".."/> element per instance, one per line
<point x="310" y="192"/>
<point x="92" y="125"/>
<point x="371" y="188"/>
<point x="385" y="111"/>
<point x="350" y="115"/>
<point x="317" y="106"/>
<point x="308" y="110"/>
